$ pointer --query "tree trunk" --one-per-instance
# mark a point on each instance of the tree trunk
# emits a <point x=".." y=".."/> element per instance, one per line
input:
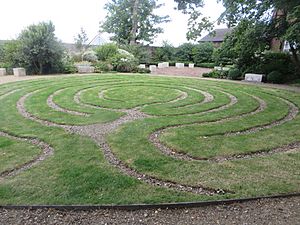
<point x="295" y="57"/>
<point x="133" y="32"/>
<point x="40" y="68"/>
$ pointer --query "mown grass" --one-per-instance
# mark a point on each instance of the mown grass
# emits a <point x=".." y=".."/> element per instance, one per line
<point x="15" y="153"/>
<point x="78" y="173"/>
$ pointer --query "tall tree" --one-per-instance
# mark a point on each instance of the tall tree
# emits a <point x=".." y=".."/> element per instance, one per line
<point x="81" y="40"/>
<point x="133" y="21"/>
<point x="41" y="52"/>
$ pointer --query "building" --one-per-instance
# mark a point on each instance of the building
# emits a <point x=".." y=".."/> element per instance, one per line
<point x="217" y="36"/>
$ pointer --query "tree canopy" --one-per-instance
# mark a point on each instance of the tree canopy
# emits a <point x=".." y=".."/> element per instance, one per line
<point x="40" y="50"/>
<point x="133" y="21"/>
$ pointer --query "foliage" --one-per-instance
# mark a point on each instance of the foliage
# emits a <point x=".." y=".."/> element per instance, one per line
<point x="143" y="70"/>
<point x="185" y="52"/>
<point x="165" y="53"/>
<point x="141" y="53"/>
<point x="124" y="61"/>
<point x="11" y="54"/>
<point x="234" y="74"/>
<point x="133" y="21"/>
<point x="207" y="65"/>
<point x="41" y="52"/>
<point x="89" y="56"/>
<point x="68" y="65"/>
<point x="202" y="53"/>
<point x="275" y="77"/>
<point x="226" y="54"/>
<point x="81" y="40"/>
<point x="106" y="51"/>
<point x="102" y="66"/>
<point x="284" y="26"/>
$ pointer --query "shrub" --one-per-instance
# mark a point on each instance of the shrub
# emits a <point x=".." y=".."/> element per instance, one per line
<point x="106" y="52"/>
<point x="278" y="61"/>
<point x="68" y="65"/>
<point x="275" y="77"/>
<point x="90" y="56"/>
<point x="202" y="53"/>
<point x="234" y="74"/>
<point x="102" y="67"/>
<point x="206" y="65"/>
<point x="213" y="74"/>
<point x="124" y="62"/>
<point x="142" y="54"/>
<point x="143" y="70"/>
<point x="185" y="52"/>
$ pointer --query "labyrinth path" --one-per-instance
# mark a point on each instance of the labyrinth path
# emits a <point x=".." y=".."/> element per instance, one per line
<point x="130" y="139"/>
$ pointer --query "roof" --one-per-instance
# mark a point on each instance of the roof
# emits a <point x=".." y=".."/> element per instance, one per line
<point x="218" y="35"/>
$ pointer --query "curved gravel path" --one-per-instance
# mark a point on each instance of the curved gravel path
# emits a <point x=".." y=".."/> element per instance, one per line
<point x="47" y="151"/>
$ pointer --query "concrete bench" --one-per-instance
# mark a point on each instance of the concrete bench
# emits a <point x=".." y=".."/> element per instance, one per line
<point x="85" y="69"/>
<point x="2" y="72"/>
<point x="19" y="72"/>
<point x="191" y="65"/>
<point x="179" y="65"/>
<point x="252" y="77"/>
<point x="152" y="68"/>
<point x="142" y="66"/>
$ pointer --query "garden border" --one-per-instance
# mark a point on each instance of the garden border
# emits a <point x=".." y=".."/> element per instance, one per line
<point x="146" y="206"/>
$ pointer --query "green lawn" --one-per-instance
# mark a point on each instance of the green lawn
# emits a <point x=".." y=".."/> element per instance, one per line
<point x="79" y="173"/>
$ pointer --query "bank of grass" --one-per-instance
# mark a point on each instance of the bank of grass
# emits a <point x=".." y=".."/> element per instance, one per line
<point x="78" y="173"/>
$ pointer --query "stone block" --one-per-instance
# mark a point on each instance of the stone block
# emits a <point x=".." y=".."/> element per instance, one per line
<point x="19" y="72"/>
<point x="152" y="68"/>
<point x="2" y="71"/>
<point x="191" y="65"/>
<point x="85" y="69"/>
<point x="252" y="77"/>
<point x="166" y="64"/>
<point x="142" y="66"/>
<point x="179" y="65"/>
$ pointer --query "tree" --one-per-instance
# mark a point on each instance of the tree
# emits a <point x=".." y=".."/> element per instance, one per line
<point x="133" y="21"/>
<point x="41" y="52"/>
<point x="81" y="40"/>
<point x="282" y="17"/>
<point x="11" y="53"/>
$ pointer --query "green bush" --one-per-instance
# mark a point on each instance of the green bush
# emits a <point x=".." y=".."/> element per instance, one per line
<point x="68" y="65"/>
<point x="234" y="74"/>
<point x="213" y="74"/>
<point x="278" y="61"/>
<point x="275" y="77"/>
<point x="89" y="56"/>
<point x="124" y="62"/>
<point x="206" y="65"/>
<point x="102" y="67"/>
<point x="143" y="70"/>
<point x="202" y="53"/>
<point x="106" y="52"/>
<point x="185" y="52"/>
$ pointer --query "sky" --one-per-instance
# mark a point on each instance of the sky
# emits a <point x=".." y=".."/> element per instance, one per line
<point x="69" y="16"/>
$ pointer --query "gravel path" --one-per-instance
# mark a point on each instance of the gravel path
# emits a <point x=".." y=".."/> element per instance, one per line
<point x="280" y="211"/>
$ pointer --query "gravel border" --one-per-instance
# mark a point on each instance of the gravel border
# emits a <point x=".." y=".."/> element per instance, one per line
<point x="275" y="211"/>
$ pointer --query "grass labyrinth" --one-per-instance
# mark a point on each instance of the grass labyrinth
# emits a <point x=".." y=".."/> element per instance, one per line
<point x="116" y="139"/>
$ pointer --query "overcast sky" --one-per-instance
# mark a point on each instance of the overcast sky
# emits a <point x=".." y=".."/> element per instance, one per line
<point x="69" y="16"/>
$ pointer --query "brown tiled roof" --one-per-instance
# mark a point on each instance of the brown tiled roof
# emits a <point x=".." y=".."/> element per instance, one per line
<point x="217" y="36"/>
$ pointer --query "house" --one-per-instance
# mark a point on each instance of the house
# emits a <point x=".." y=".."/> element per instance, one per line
<point x="217" y="36"/>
